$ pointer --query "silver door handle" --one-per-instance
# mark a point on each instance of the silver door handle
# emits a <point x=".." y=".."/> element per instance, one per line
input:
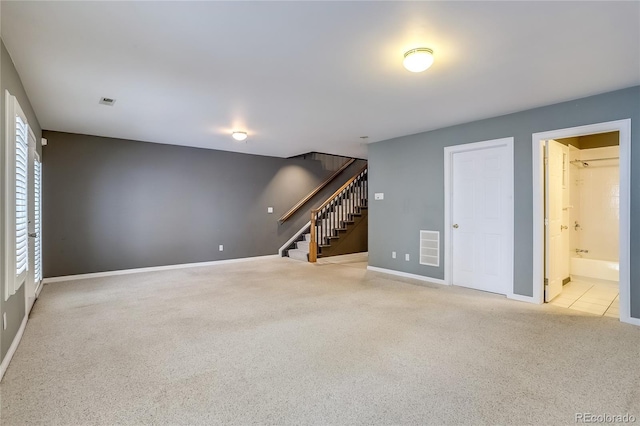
<point x="455" y="225"/>
<point x="33" y="234"/>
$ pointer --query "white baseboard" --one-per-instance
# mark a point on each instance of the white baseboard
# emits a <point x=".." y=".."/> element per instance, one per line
<point x="39" y="289"/>
<point x="13" y="347"/>
<point x="153" y="269"/>
<point x="406" y="275"/>
<point x="630" y="320"/>
<point x="521" y="298"/>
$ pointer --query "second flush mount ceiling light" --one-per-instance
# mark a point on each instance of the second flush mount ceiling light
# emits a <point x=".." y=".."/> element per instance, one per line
<point x="239" y="136"/>
<point x="418" y="60"/>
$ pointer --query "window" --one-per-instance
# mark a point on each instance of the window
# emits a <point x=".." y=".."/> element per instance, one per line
<point x="16" y="225"/>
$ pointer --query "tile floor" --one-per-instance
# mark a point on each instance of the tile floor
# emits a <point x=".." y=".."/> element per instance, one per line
<point x="597" y="298"/>
<point x="594" y="298"/>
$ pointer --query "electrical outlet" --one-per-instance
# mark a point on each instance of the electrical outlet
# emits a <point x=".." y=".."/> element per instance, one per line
<point x="406" y="257"/>
<point x="269" y="209"/>
<point x="220" y="247"/>
<point x="378" y="196"/>
<point x="4" y="321"/>
<point x="393" y="254"/>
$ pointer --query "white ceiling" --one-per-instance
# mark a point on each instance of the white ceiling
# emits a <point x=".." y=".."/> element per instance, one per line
<point x="308" y="76"/>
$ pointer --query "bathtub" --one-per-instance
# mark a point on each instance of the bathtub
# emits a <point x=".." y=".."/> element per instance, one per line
<point x="595" y="269"/>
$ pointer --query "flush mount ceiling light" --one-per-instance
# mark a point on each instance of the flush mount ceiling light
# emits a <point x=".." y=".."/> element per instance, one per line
<point x="239" y="136"/>
<point x="418" y="60"/>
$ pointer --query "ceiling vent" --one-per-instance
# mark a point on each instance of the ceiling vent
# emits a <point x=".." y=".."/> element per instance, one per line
<point x="107" y="101"/>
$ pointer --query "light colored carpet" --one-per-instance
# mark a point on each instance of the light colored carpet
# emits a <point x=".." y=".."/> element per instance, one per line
<point x="278" y="341"/>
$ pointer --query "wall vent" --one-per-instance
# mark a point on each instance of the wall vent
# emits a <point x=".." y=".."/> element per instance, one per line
<point x="107" y="101"/>
<point x="430" y="248"/>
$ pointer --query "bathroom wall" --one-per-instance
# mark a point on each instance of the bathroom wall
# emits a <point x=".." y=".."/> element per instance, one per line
<point x="574" y="203"/>
<point x="596" y="203"/>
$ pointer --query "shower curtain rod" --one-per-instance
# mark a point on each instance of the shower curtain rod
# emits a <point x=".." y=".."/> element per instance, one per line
<point x="595" y="159"/>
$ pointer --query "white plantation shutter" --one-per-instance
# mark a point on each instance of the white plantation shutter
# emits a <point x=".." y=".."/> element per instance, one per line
<point x="37" y="195"/>
<point x="16" y="220"/>
<point x="22" y="161"/>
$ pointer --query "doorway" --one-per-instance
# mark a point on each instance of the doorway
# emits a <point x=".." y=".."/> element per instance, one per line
<point x="581" y="218"/>
<point x="479" y="215"/>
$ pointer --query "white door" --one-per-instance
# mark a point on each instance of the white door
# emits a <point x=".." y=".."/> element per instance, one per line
<point x="30" y="283"/>
<point x="565" y="234"/>
<point x="480" y="214"/>
<point x="556" y="235"/>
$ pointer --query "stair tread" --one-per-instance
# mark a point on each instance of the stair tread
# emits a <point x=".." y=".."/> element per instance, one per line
<point x="297" y="251"/>
<point x="299" y="255"/>
<point x="302" y="245"/>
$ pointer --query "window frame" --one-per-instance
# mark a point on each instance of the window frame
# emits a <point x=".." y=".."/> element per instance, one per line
<point x="13" y="281"/>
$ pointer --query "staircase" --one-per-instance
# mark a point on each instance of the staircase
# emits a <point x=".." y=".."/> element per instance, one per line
<point x="301" y="250"/>
<point x="339" y="225"/>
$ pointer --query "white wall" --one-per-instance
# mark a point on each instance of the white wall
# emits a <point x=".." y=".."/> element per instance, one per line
<point x="595" y="197"/>
<point x="574" y="203"/>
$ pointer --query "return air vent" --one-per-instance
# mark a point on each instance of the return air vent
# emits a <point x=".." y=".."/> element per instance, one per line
<point x="430" y="248"/>
<point x="107" y="101"/>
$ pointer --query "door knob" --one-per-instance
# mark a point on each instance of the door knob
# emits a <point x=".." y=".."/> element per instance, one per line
<point x="33" y="234"/>
<point x="455" y="225"/>
<point x="563" y="227"/>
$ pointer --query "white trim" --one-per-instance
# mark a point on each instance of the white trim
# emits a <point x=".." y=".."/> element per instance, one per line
<point x="13" y="110"/>
<point x="294" y="238"/>
<point x="9" y="180"/>
<point x="406" y="275"/>
<point x="13" y="347"/>
<point x="39" y="288"/>
<point x="521" y="298"/>
<point x="630" y="320"/>
<point x="537" y="139"/>
<point x="448" y="169"/>
<point x="153" y="269"/>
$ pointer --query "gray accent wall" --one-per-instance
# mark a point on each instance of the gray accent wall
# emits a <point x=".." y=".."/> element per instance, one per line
<point x="113" y="204"/>
<point x="410" y="172"/>
<point x="14" y="306"/>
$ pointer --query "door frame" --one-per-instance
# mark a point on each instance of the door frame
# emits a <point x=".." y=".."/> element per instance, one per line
<point x="448" y="199"/>
<point x="624" y="129"/>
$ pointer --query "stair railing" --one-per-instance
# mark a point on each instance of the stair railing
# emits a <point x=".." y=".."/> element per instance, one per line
<point x="310" y="195"/>
<point x="333" y="213"/>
